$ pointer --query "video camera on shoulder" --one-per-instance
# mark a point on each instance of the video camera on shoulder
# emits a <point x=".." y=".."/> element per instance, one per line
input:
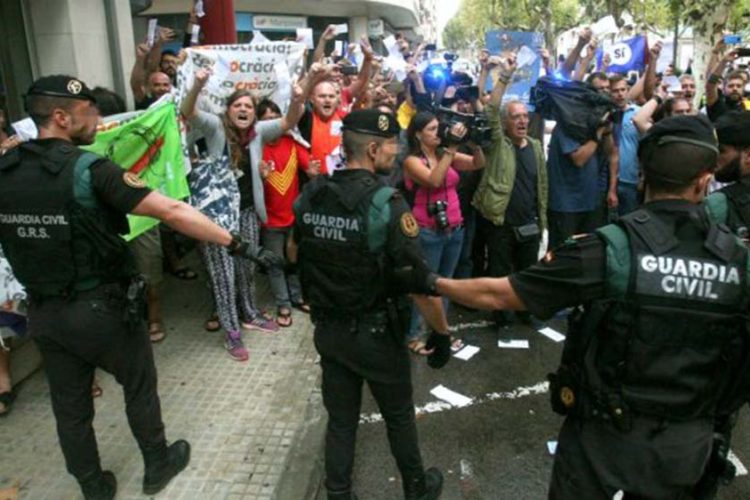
<point x="478" y="129"/>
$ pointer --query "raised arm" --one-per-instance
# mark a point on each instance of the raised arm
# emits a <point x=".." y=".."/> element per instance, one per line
<point x="320" y="49"/>
<point x="296" y="108"/>
<point x="570" y="62"/>
<point x="649" y="83"/>
<point x="138" y="73"/>
<point x="712" y="83"/>
<point x="187" y="108"/>
<point x="583" y="66"/>
<point x="357" y="88"/>
<point x="507" y="68"/>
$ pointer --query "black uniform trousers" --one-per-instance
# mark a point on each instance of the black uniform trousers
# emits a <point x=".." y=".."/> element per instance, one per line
<point x="506" y="254"/>
<point x="77" y="336"/>
<point x="655" y="460"/>
<point x="353" y="352"/>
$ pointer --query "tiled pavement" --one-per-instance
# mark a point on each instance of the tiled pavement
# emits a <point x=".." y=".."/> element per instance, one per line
<point x="241" y="418"/>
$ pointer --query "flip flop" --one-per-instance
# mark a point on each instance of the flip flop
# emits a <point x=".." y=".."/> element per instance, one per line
<point x="302" y="306"/>
<point x="417" y="347"/>
<point x="156" y="332"/>
<point x="284" y="317"/>
<point x="456" y="344"/>
<point x="184" y="273"/>
<point x="6" y="399"/>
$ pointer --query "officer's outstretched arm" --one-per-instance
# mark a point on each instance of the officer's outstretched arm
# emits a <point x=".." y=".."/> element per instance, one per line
<point x="183" y="218"/>
<point x="432" y="311"/>
<point x="481" y="293"/>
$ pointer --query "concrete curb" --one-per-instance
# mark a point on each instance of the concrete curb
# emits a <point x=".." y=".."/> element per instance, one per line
<point x="303" y="471"/>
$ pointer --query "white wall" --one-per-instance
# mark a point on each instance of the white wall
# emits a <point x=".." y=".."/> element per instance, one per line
<point x="70" y="36"/>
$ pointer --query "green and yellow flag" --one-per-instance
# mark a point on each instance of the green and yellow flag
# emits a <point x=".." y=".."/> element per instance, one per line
<point x="146" y="143"/>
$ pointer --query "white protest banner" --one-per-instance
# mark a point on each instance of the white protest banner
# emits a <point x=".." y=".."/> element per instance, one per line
<point x="259" y="67"/>
<point x="10" y="288"/>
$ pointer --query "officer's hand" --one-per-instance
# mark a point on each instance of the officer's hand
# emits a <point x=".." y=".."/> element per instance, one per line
<point x="267" y="258"/>
<point x="259" y="255"/>
<point x="440" y="345"/>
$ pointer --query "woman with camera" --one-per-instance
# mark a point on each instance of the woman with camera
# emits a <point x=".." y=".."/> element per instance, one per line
<point x="431" y="176"/>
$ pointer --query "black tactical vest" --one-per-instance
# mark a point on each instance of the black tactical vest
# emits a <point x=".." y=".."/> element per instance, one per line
<point x="341" y="269"/>
<point x="56" y="236"/>
<point x="671" y="340"/>
<point x="731" y="206"/>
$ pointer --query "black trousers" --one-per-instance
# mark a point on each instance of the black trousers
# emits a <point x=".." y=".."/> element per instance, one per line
<point x="654" y="461"/>
<point x="506" y="254"/>
<point x="77" y="336"/>
<point x="563" y="225"/>
<point x="352" y="353"/>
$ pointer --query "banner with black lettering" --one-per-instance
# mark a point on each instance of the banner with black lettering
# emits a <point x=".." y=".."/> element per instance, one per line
<point x="265" y="68"/>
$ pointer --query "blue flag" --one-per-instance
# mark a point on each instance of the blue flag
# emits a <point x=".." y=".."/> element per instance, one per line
<point x="526" y="46"/>
<point x="626" y="55"/>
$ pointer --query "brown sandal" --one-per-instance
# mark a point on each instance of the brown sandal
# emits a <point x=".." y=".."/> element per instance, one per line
<point x="284" y="317"/>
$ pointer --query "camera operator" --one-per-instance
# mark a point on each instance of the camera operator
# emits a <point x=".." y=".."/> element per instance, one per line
<point x="431" y="172"/>
<point x="512" y="195"/>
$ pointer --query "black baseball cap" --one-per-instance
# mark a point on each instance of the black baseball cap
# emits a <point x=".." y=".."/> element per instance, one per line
<point x="696" y="130"/>
<point x="371" y="122"/>
<point x="61" y="86"/>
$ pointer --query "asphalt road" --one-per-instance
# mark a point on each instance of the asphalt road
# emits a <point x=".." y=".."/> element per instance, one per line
<point x="495" y="448"/>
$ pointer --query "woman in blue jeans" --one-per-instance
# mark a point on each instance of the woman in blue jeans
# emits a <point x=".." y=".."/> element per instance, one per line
<point x="431" y="175"/>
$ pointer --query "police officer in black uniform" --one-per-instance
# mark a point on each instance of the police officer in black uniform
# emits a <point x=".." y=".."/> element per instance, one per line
<point x="731" y="204"/>
<point x="62" y="211"/>
<point x="356" y="243"/>
<point x="660" y="347"/>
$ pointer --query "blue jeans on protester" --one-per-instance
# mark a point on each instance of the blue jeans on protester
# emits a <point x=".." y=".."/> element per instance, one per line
<point x="441" y="250"/>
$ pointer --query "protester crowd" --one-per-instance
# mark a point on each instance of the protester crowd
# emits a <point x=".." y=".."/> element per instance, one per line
<point x="473" y="165"/>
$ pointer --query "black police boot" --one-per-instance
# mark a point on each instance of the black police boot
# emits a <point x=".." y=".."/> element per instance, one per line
<point x="163" y="464"/>
<point x="100" y="486"/>
<point x="349" y="495"/>
<point x="428" y="486"/>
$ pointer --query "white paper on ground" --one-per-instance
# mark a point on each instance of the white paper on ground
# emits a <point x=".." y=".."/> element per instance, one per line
<point x="451" y="397"/>
<point x="467" y="352"/>
<point x="552" y="447"/>
<point x="305" y="35"/>
<point x="26" y="129"/>
<point x="525" y="57"/>
<point x="151" y="36"/>
<point x="342" y="28"/>
<point x="513" y="344"/>
<point x="741" y="470"/>
<point x="552" y="334"/>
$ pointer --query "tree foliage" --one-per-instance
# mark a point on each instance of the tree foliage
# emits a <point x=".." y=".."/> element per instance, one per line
<point x="476" y="17"/>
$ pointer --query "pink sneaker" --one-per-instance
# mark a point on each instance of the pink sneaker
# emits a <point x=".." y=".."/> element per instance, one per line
<point x="261" y="324"/>
<point x="235" y="347"/>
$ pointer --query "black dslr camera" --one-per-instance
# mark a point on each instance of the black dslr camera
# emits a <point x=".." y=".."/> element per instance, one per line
<point x="438" y="210"/>
<point x="478" y="130"/>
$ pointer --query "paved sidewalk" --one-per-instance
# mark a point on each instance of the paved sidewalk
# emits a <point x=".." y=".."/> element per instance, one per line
<point x="240" y="418"/>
